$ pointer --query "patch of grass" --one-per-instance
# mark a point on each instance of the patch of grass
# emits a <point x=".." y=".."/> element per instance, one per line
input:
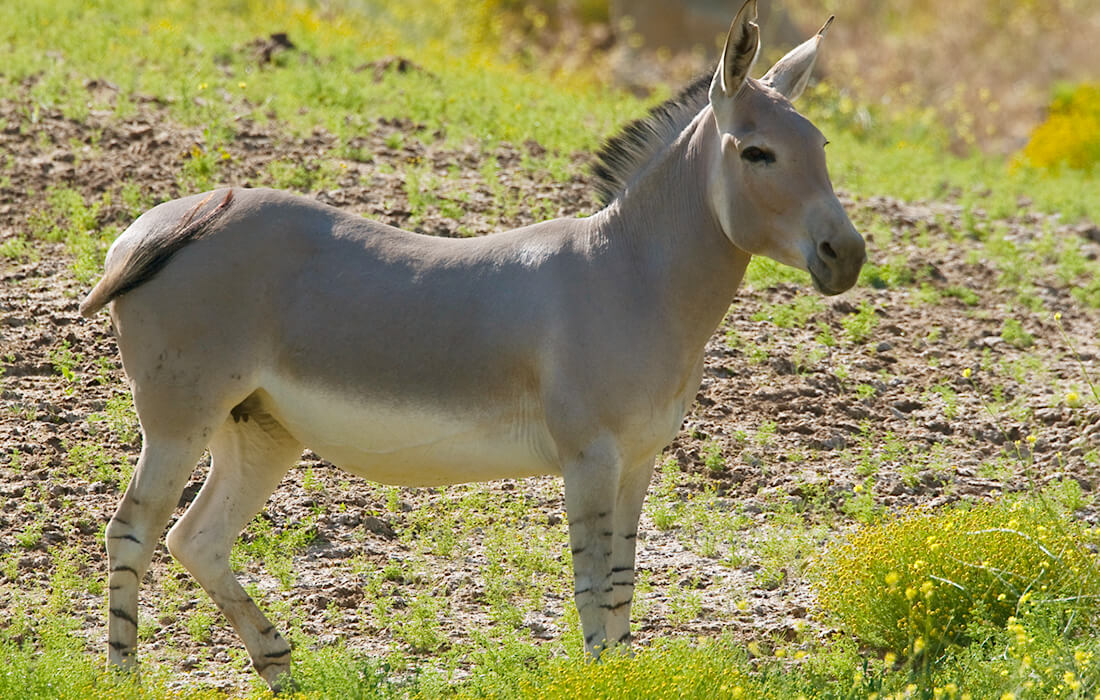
<point x="200" y="625"/>
<point x="18" y="249"/>
<point x="793" y="314"/>
<point x="1013" y="333"/>
<point x="69" y="219"/>
<point x="119" y="418"/>
<point x="203" y="66"/>
<point x="663" y="506"/>
<point x="91" y="461"/>
<point x="860" y="325"/>
<point x="764" y="273"/>
<point x="275" y="549"/>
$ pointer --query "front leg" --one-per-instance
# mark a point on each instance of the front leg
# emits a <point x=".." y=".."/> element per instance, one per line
<point x="628" y="509"/>
<point x="591" y="489"/>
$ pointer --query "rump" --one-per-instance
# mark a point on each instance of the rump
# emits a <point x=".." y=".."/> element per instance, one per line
<point x="131" y="263"/>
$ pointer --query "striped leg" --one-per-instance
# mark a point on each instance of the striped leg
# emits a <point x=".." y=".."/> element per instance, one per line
<point x="161" y="473"/>
<point x="249" y="459"/>
<point x="591" y="483"/>
<point x="628" y="509"/>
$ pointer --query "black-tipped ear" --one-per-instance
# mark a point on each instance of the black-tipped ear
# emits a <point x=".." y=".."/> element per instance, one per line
<point x="791" y="73"/>
<point x="742" y="46"/>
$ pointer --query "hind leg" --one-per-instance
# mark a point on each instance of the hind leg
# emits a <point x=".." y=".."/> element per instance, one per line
<point x="162" y="471"/>
<point x="250" y="454"/>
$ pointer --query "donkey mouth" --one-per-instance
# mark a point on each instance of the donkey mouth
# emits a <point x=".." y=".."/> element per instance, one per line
<point x="835" y="275"/>
<point x="825" y="289"/>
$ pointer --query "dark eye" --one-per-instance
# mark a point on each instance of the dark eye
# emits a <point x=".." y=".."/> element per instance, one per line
<point x="754" y="154"/>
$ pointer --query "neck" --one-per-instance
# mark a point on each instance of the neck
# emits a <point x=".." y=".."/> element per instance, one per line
<point x="665" y="222"/>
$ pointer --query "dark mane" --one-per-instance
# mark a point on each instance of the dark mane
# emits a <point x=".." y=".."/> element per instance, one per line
<point x="624" y="156"/>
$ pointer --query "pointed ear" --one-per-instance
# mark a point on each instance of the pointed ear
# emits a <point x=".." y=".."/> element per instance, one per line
<point x="742" y="45"/>
<point x="791" y="74"/>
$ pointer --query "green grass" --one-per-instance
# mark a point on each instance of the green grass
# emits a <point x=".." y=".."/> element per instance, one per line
<point x="203" y="65"/>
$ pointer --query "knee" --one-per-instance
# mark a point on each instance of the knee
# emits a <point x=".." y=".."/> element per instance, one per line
<point x="120" y="535"/>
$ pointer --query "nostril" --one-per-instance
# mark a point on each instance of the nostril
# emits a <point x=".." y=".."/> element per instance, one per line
<point x="826" y="251"/>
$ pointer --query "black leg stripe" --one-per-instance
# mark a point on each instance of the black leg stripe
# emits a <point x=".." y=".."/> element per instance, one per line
<point x="122" y="614"/>
<point x="118" y="646"/>
<point x="582" y="591"/>
<point x="625" y="639"/>
<point x="624" y="583"/>
<point x="578" y="550"/>
<point x="125" y="537"/>
<point x="615" y="607"/>
<point x="117" y="569"/>
<point x="277" y="655"/>
<point x="631" y="536"/>
<point x="620" y="569"/>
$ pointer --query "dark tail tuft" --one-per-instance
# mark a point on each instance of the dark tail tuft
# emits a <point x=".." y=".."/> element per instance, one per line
<point x="151" y="255"/>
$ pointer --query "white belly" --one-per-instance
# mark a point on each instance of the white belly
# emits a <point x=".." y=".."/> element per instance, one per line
<point x="412" y="445"/>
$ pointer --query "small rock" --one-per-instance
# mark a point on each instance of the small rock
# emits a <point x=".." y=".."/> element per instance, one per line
<point x="907" y="405"/>
<point x="379" y="527"/>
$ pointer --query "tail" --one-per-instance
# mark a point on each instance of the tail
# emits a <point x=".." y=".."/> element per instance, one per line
<point x="149" y="256"/>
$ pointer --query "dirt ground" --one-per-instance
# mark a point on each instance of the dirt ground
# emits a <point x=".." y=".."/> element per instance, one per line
<point x="792" y="428"/>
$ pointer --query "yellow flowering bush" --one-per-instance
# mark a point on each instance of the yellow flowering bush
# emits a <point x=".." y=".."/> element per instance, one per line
<point x="916" y="584"/>
<point x="1070" y="136"/>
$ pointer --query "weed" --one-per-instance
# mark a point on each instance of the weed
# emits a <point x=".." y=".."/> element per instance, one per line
<point x="663" y="506"/>
<point x="30" y="535"/>
<point x="860" y="325"/>
<point x="200" y="625"/>
<point x="685" y="602"/>
<point x="712" y="457"/>
<point x="419" y="627"/>
<point x="64" y="361"/>
<point x="119" y="418"/>
<point x="784" y="548"/>
<point x="91" y="461"/>
<point x="18" y="249"/>
<point x="1013" y="333"/>
<point x="275" y="549"/>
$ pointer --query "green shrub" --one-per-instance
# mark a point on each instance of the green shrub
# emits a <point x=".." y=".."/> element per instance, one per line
<point x="1070" y="136"/>
<point x="920" y="583"/>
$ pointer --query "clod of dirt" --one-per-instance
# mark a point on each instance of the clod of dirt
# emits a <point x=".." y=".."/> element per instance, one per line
<point x="267" y="48"/>
<point x="395" y="64"/>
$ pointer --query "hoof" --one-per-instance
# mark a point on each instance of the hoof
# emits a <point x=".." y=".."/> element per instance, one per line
<point x="278" y="678"/>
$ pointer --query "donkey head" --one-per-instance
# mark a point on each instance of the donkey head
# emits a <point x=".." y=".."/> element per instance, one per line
<point x="769" y="186"/>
